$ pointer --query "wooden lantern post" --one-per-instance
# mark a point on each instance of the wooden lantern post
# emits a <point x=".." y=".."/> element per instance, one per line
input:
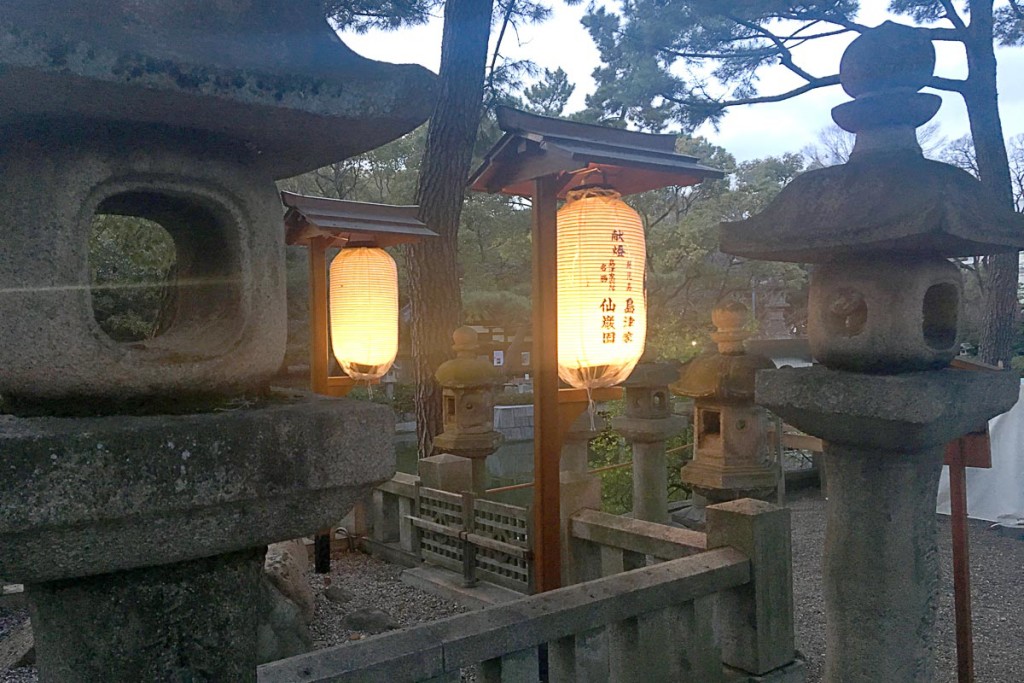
<point x="543" y="158"/>
<point x="971" y="450"/>
<point x="321" y="224"/>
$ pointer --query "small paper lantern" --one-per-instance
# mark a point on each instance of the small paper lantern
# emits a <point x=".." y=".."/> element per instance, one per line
<point x="364" y="311"/>
<point x="602" y="303"/>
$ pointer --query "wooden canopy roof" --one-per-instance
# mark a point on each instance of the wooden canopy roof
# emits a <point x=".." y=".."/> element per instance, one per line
<point x="536" y="146"/>
<point x="348" y="223"/>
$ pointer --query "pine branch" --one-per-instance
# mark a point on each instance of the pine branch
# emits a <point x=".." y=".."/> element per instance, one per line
<point x="954" y="84"/>
<point x="785" y="56"/>
<point x="813" y="84"/>
<point x="1016" y="9"/>
<point x="952" y="15"/>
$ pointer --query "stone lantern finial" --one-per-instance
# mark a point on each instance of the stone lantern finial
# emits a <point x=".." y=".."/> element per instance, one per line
<point x="883" y="70"/>
<point x="466" y="342"/>
<point x="729" y="319"/>
<point x="888" y="199"/>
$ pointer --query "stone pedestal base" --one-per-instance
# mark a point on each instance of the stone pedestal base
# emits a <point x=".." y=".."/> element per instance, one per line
<point x="884" y="440"/>
<point x="881" y="564"/>
<point x="189" y="621"/>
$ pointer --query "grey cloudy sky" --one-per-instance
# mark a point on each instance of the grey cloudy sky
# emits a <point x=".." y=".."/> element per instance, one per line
<point x="748" y="132"/>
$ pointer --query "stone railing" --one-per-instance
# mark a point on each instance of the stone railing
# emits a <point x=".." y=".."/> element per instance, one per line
<point x="704" y="617"/>
<point x="481" y="539"/>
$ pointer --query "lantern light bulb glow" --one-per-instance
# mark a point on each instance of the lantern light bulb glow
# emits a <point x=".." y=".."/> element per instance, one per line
<point x="364" y="311"/>
<point x="602" y="302"/>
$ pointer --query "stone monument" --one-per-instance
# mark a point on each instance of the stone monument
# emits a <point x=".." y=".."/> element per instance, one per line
<point x="142" y="481"/>
<point x="884" y="313"/>
<point x="468" y="384"/>
<point x="730" y="454"/>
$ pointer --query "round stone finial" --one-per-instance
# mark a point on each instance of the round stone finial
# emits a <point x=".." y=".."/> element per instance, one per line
<point x="466" y="341"/>
<point x="890" y="56"/>
<point x="883" y="69"/>
<point x="729" y="318"/>
<point x="467" y="368"/>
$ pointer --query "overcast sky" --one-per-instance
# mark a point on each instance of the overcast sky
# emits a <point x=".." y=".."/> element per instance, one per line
<point x="748" y="132"/>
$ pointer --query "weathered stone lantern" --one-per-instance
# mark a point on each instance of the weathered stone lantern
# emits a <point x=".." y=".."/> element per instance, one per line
<point x="648" y="421"/>
<point x="468" y="383"/>
<point x="884" y="315"/>
<point x="730" y="455"/>
<point x="138" y="492"/>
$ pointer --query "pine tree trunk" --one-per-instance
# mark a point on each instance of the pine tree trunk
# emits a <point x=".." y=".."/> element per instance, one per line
<point x="1002" y="311"/>
<point x="433" y="269"/>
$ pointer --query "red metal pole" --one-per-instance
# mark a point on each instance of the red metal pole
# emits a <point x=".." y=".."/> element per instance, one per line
<point x="547" y="554"/>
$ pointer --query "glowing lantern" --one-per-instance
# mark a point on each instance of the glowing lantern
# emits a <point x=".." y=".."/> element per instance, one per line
<point x="602" y="304"/>
<point x="364" y="311"/>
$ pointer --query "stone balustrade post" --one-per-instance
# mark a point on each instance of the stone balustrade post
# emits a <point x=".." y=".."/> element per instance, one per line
<point x="579" y="489"/>
<point x="755" y="621"/>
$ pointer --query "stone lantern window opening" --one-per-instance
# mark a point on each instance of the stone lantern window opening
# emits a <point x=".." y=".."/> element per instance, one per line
<point x="205" y="316"/>
<point x="449" y="410"/>
<point x="710" y="427"/>
<point x="110" y="287"/>
<point x="940" y="313"/>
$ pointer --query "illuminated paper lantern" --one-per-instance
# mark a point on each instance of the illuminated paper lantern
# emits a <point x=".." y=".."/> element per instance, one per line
<point x="602" y="303"/>
<point x="364" y="311"/>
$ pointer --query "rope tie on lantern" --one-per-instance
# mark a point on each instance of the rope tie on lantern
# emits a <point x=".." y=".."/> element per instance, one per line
<point x="591" y="408"/>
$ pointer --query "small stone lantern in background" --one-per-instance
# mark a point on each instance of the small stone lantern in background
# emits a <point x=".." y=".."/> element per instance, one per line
<point x="730" y="458"/>
<point x="648" y="421"/>
<point x="884" y="313"/>
<point x="468" y="384"/>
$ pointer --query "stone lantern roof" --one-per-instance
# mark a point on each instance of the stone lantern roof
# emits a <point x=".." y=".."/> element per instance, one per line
<point x="888" y="197"/>
<point x="727" y="375"/>
<point x="272" y="74"/>
<point x="466" y="369"/>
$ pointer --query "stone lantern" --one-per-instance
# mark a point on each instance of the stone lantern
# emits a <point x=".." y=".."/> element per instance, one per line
<point x="730" y="455"/>
<point x="884" y="315"/>
<point x="142" y="481"/>
<point x="648" y="421"/>
<point x="468" y="383"/>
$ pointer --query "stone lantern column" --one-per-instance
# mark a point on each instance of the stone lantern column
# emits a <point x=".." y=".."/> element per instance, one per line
<point x="468" y="383"/>
<point x="730" y="458"/>
<point x="884" y="313"/>
<point x="578" y="488"/>
<point x="647" y="423"/>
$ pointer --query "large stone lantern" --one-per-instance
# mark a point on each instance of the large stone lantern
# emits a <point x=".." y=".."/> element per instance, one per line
<point x="468" y="383"/>
<point x="884" y="315"/>
<point x="142" y="481"/>
<point x="730" y="458"/>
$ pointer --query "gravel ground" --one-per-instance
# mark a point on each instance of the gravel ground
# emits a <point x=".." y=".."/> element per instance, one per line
<point x="997" y="596"/>
<point x="373" y="584"/>
<point x="998" y="599"/>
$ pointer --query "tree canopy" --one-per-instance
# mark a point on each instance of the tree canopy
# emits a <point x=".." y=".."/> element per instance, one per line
<point x="688" y="61"/>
